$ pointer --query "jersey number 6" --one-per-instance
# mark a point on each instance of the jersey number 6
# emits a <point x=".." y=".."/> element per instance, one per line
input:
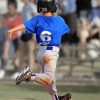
<point x="46" y="37"/>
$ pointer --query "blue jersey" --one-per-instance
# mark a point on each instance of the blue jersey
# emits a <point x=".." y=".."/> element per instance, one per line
<point x="48" y="29"/>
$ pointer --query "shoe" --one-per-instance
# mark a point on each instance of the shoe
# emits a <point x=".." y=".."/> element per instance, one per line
<point x="15" y="75"/>
<point x="65" y="97"/>
<point x="25" y="75"/>
<point x="2" y="74"/>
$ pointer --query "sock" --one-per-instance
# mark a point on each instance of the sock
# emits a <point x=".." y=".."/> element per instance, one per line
<point x="54" y="97"/>
<point x="33" y="76"/>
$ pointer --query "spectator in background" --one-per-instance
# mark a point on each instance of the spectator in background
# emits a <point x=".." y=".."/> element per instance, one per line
<point x="84" y="29"/>
<point x="83" y="8"/>
<point x="3" y="48"/>
<point x="27" y="49"/>
<point x="87" y="31"/>
<point x="95" y="11"/>
<point x="88" y="23"/>
<point x="94" y="17"/>
<point x="29" y="9"/>
<point x="67" y="9"/>
<point x="11" y="19"/>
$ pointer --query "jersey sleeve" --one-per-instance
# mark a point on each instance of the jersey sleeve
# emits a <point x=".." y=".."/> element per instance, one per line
<point x="30" y="25"/>
<point x="66" y="29"/>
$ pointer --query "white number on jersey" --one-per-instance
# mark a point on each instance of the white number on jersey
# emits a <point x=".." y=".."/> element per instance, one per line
<point x="46" y="37"/>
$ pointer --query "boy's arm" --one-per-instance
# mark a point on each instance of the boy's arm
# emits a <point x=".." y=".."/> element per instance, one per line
<point x="12" y="32"/>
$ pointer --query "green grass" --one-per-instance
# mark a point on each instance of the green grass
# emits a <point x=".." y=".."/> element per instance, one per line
<point x="30" y="91"/>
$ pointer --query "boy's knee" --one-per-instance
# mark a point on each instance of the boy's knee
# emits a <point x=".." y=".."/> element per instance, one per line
<point x="49" y="78"/>
<point x="45" y="78"/>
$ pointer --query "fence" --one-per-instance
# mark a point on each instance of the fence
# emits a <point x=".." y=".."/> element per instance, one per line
<point x="72" y="68"/>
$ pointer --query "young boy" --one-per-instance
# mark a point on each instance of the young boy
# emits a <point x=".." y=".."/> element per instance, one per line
<point x="29" y="10"/>
<point x="48" y="29"/>
<point x="4" y="45"/>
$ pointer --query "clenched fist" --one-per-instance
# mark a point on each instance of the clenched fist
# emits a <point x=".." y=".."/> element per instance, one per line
<point x="12" y="35"/>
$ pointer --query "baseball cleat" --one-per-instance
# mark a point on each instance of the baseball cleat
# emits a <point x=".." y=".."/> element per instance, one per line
<point x="25" y="75"/>
<point x="65" y="97"/>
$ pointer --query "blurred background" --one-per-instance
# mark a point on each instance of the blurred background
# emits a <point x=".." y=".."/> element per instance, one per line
<point x="78" y="69"/>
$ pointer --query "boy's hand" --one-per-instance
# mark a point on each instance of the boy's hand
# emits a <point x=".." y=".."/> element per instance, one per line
<point x="12" y="35"/>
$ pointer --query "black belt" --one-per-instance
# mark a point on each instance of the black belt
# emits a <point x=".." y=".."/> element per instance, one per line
<point x="56" y="45"/>
<point x="49" y="47"/>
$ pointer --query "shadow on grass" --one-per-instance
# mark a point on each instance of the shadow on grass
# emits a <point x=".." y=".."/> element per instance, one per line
<point x="25" y="99"/>
<point x="76" y="89"/>
<point x="80" y="89"/>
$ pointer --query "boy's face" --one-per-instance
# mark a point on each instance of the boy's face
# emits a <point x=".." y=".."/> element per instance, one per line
<point x="11" y="9"/>
<point x="24" y="1"/>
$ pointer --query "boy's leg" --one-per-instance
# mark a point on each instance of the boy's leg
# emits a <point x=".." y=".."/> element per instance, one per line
<point x="49" y="61"/>
<point x="46" y="78"/>
<point x="2" y="67"/>
<point x="26" y="76"/>
<point x="52" y="90"/>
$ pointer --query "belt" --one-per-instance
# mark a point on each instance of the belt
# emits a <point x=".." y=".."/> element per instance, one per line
<point x="57" y="45"/>
<point x="53" y="48"/>
<point x="49" y="47"/>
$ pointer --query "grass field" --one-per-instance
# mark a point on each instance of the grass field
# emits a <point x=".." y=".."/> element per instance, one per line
<point x="30" y="91"/>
